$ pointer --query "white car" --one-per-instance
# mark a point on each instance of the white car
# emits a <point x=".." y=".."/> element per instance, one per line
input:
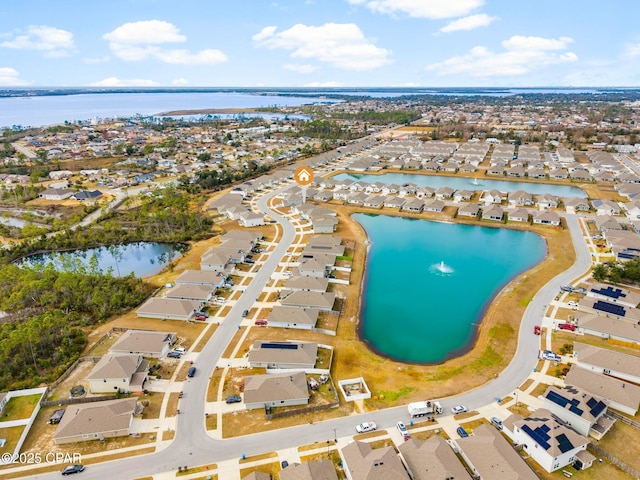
<point x="402" y="429"/>
<point x="366" y="427"/>
<point x="572" y="304"/>
<point x="458" y="409"/>
<point x="179" y="350"/>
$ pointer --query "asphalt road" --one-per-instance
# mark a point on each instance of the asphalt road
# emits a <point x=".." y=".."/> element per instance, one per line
<point x="192" y="446"/>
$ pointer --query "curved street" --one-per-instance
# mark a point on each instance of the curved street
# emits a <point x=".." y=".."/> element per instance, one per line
<point x="193" y="446"/>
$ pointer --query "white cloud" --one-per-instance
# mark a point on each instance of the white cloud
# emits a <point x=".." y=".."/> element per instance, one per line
<point x="341" y="45"/>
<point x="180" y="82"/>
<point x="521" y="56"/>
<point x="633" y="50"/>
<point x="145" y="32"/>
<point x="52" y="42"/>
<point x="138" y="41"/>
<point x="325" y="84"/>
<point x="433" y="9"/>
<point x="132" y="82"/>
<point x="300" y="68"/>
<point x="10" y="77"/>
<point x="96" y="60"/>
<point x="469" y="23"/>
<point x="183" y="57"/>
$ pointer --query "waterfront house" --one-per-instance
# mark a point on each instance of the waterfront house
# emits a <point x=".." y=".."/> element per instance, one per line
<point x="394" y="202"/>
<point x="185" y="291"/>
<point x="434" y="206"/>
<point x="493" y="212"/>
<point x="462" y="196"/>
<point x="546" y="217"/>
<point x="469" y="210"/>
<point x="306" y="299"/>
<point x="520" y="198"/>
<point x="413" y="205"/>
<point x="518" y="215"/>
<point x="201" y="277"/>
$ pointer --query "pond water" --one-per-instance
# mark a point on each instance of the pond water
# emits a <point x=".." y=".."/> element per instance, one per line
<point x="428" y="283"/>
<point x="143" y="259"/>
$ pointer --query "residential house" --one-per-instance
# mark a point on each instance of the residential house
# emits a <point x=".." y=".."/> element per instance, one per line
<point x="87" y="196"/>
<point x="551" y="444"/>
<point x="201" y="277"/>
<point x="394" y="202"/>
<point x="576" y="408"/>
<point x="616" y="328"/>
<point x="606" y="207"/>
<point x="95" y="421"/>
<point x="518" y="215"/>
<point x="493" y="212"/>
<point x="184" y="291"/>
<point x="144" y="342"/>
<point x="413" y="205"/>
<point x="309" y="284"/>
<point x="547" y="201"/>
<point x="463" y="196"/>
<point x="520" y="198"/>
<point x="293" y="317"/>
<point x="168" y="309"/>
<point x="283" y="355"/>
<point x="546" y="217"/>
<point x="622" y="366"/>
<point x="469" y="210"/>
<point x="490" y="456"/>
<point x="492" y="196"/>
<point x="305" y="299"/>
<point x="613" y="294"/>
<point x="618" y="394"/>
<point x="251" y="219"/>
<point x="432" y="459"/>
<point x="362" y="462"/>
<point x="574" y="205"/>
<point x="56" y="194"/>
<point x="434" y="206"/>
<point x="312" y="470"/>
<point x="118" y="373"/>
<point x="257" y="475"/>
<point x="276" y="390"/>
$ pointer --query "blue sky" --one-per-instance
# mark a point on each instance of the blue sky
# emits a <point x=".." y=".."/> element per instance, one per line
<point x="351" y="43"/>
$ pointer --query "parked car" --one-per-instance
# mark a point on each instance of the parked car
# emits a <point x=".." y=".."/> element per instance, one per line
<point x="403" y="430"/>
<point x="180" y="350"/>
<point x="56" y="416"/>
<point x="567" y="326"/>
<point x="233" y="399"/>
<point x="458" y="409"/>
<point x="462" y="432"/>
<point x="205" y="314"/>
<point x="245" y="313"/>
<point x="496" y="422"/>
<point x="284" y="464"/>
<point x="261" y="321"/>
<point x="537" y="330"/>
<point x="572" y="304"/>
<point x="249" y="261"/>
<point x="366" y="427"/>
<point x="174" y="355"/>
<point x="72" y="469"/>
<point x="551" y="356"/>
<point x="200" y="317"/>
<point x="192" y="372"/>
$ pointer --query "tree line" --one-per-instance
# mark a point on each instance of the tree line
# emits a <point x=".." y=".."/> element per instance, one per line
<point x="618" y="272"/>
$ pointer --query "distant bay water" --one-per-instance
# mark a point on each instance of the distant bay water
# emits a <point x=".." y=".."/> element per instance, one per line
<point x="52" y="109"/>
<point x="428" y="284"/>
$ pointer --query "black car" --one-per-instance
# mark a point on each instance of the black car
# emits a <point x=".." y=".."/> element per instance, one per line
<point x="234" y="399"/>
<point x="192" y="372"/>
<point x="174" y="355"/>
<point x="245" y="313"/>
<point x="72" y="469"/>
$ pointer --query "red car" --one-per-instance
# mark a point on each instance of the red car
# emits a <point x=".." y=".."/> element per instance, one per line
<point x="200" y="317"/>
<point x="537" y="330"/>
<point x="567" y="326"/>
<point x="261" y="322"/>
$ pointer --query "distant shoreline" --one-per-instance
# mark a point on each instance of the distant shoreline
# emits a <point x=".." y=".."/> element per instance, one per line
<point x="208" y="111"/>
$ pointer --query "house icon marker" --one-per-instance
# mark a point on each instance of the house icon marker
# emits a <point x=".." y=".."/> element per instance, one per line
<point x="303" y="175"/>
